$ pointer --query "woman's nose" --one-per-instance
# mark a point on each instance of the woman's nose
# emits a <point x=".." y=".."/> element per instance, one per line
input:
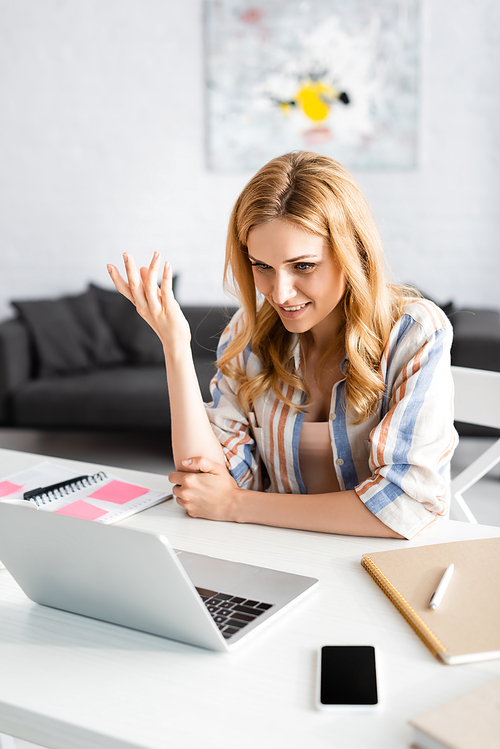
<point x="283" y="288"/>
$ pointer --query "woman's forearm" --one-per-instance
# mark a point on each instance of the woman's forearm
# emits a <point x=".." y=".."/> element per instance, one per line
<point x="337" y="512"/>
<point x="192" y="434"/>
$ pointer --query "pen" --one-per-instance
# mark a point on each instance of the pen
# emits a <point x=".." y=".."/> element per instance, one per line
<point x="53" y="487"/>
<point x="437" y="596"/>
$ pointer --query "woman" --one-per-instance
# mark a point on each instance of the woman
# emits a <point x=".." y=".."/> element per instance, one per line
<point x="332" y="404"/>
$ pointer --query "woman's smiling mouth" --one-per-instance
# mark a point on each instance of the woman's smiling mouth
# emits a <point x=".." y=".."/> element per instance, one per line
<point x="292" y="312"/>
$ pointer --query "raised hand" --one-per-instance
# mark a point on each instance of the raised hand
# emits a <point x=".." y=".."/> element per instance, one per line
<point x="157" y="306"/>
<point x="191" y="431"/>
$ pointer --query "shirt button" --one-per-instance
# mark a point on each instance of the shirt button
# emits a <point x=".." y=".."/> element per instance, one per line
<point x="333" y="417"/>
<point x="339" y="462"/>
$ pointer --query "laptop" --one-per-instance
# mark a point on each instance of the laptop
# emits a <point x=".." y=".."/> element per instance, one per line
<point x="136" y="579"/>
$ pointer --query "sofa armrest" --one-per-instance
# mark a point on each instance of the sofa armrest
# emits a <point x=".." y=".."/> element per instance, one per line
<point x="15" y="361"/>
<point x="476" y="339"/>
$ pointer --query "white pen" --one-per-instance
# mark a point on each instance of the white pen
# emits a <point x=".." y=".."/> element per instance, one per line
<point x="437" y="596"/>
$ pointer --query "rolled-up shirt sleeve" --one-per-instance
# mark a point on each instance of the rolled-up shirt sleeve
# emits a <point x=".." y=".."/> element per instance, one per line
<point x="231" y="424"/>
<point x="411" y="447"/>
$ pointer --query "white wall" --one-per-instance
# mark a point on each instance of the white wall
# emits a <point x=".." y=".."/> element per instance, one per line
<point x="102" y="150"/>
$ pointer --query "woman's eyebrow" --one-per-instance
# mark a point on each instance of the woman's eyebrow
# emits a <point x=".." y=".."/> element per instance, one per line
<point x="292" y="260"/>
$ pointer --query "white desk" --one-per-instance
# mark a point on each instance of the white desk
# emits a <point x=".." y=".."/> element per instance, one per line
<point x="67" y="681"/>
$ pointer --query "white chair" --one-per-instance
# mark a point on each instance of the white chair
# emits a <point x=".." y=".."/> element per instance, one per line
<point x="477" y="401"/>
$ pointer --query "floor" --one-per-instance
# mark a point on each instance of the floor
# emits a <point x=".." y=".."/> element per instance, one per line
<point x="151" y="452"/>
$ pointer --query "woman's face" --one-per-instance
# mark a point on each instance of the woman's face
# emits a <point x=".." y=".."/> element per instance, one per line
<point x="298" y="275"/>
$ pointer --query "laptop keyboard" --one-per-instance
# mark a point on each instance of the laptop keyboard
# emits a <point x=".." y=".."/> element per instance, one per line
<point x="231" y="613"/>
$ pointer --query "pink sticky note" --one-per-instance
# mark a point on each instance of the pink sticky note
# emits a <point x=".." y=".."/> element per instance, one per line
<point x="118" y="492"/>
<point x="7" y="487"/>
<point x="81" y="509"/>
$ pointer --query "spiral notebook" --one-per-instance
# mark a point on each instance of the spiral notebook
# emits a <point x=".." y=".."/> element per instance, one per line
<point x="98" y="496"/>
<point x="466" y="625"/>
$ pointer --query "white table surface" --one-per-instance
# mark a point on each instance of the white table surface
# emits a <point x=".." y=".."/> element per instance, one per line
<point x="67" y="681"/>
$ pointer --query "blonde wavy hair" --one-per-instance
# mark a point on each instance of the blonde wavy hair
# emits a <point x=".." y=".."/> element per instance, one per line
<point x="319" y="196"/>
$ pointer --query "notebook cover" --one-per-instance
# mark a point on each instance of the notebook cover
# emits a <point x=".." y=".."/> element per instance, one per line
<point x="468" y="722"/>
<point x="466" y="625"/>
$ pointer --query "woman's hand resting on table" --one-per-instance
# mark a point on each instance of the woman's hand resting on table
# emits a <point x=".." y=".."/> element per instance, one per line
<point x="157" y="306"/>
<point x="206" y="490"/>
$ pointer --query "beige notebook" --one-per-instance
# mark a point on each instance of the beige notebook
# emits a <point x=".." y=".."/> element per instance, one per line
<point x="472" y="721"/>
<point x="466" y="625"/>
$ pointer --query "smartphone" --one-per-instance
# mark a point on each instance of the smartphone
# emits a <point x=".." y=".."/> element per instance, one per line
<point x="347" y="677"/>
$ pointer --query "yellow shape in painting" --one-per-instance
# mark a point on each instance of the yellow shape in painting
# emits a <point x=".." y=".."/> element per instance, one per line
<point x="315" y="97"/>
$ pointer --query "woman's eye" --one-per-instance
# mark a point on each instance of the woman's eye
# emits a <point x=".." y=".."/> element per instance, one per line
<point x="260" y="266"/>
<point x="304" y="266"/>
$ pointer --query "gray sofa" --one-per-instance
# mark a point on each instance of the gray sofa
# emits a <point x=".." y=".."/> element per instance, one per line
<point x="90" y="362"/>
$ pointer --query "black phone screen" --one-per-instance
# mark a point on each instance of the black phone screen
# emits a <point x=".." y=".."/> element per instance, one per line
<point x="348" y="675"/>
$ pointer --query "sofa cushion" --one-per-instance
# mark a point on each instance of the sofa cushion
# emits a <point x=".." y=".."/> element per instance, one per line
<point x="129" y="397"/>
<point x="69" y="334"/>
<point x="137" y="339"/>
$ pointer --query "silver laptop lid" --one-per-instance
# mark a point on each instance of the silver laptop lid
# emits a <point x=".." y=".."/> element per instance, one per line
<point x="107" y="572"/>
<point x="133" y="577"/>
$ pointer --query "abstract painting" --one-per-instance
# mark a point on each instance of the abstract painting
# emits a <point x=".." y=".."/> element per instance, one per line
<point x="340" y="78"/>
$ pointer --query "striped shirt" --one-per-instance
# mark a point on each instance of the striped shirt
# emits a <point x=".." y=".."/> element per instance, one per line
<point x="397" y="460"/>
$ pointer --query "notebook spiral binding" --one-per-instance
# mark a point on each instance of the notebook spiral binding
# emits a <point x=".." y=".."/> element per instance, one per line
<point x="47" y="494"/>
<point x="416" y="623"/>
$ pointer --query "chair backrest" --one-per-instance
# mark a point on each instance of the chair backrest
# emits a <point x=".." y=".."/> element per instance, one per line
<point x="477" y="401"/>
<point x="477" y="396"/>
